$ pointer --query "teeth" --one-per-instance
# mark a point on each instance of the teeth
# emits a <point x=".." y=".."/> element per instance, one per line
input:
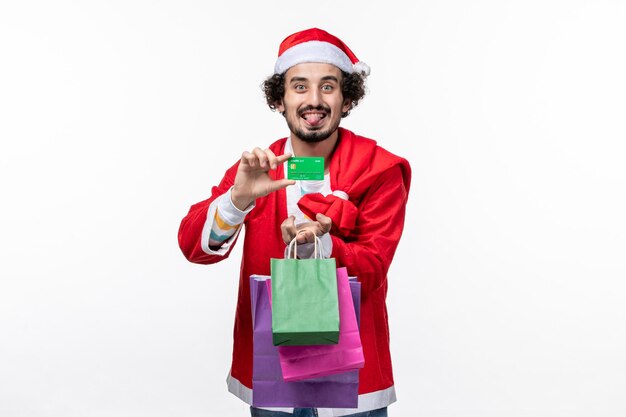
<point x="320" y="115"/>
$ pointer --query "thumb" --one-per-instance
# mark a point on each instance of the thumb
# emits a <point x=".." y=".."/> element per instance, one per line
<point x="325" y="222"/>
<point x="288" y="229"/>
<point x="279" y="184"/>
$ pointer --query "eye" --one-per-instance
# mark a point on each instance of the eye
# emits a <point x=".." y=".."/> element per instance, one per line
<point x="299" y="87"/>
<point x="327" y="87"/>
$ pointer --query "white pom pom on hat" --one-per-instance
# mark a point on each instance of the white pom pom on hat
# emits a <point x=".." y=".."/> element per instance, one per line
<point x="317" y="45"/>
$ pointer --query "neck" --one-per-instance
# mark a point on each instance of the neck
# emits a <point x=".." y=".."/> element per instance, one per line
<point x="324" y="148"/>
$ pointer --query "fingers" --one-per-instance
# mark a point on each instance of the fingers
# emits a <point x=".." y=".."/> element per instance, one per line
<point x="283" y="158"/>
<point x="305" y="236"/>
<point x="279" y="184"/>
<point x="265" y="159"/>
<point x="261" y="156"/>
<point x="308" y="231"/>
<point x="325" y="222"/>
<point x="273" y="161"/>
<point x="288" y="229"/>
<point x="303" y="233"/>
<point x="256" y="158"/>
<point x="248" y="158"/>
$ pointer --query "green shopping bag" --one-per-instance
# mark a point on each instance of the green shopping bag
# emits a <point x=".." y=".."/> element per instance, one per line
<point x="305" y="308"/>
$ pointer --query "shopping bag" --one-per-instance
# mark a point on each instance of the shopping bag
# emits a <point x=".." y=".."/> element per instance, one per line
<point x="268" y="387"/>
<point x="304" y="362"/>
<point x="305" y="309"/>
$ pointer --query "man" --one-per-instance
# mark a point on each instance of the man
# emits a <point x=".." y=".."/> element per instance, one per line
<point x="357" y="210"/>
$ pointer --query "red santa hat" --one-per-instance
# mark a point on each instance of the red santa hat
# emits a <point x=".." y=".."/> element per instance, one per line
<point x="317" y="45"/>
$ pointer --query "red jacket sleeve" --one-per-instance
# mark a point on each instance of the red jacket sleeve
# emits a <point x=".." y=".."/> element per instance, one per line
<point x="190" y="231"/>
<point x="368" y="252"/>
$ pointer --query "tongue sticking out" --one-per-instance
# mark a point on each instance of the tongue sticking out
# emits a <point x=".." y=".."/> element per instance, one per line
<point x="313" y="119"/>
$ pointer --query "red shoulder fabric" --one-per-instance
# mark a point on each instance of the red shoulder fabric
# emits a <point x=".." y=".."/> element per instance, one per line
<point x="356" y="164"/>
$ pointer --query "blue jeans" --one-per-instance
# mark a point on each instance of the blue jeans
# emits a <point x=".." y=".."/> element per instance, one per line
<point x="312" y="412"/>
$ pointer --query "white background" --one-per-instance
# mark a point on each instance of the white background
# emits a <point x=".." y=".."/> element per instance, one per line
<point x="507" y="293"/>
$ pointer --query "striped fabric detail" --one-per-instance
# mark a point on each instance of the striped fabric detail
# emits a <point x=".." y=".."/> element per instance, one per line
<point x="222" y="224"/>
<point x="221" y="231"/>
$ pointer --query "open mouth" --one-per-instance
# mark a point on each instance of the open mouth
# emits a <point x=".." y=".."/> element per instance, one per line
<point x="313" y="117"/>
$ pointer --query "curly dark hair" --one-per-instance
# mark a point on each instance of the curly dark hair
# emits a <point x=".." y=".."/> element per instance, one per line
<point x="352" y="88"/>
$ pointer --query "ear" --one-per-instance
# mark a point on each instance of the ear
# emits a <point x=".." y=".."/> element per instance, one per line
<point x="347" y="105"/>
<point x="279" y="106"/>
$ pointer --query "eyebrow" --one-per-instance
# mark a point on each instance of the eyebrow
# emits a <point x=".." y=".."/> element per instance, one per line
<point x="325" y="78"/>
<point x="330" y="78"/>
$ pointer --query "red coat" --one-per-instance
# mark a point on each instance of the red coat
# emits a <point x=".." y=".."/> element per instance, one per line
<point x="366" y="232"/>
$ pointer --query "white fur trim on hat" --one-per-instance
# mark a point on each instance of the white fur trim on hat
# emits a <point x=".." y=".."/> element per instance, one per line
<point x="362" y="68"/>
<point x="313" y="51"/>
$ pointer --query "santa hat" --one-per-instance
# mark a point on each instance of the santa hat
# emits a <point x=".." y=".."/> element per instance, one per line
<point x="317" y="45"/>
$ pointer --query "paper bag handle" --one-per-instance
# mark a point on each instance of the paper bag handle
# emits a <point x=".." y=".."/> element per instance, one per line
<point x="317" y="250"/>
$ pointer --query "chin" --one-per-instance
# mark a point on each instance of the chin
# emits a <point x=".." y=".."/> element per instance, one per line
<point x="312" y="136"/>
<point x="309" y="139"/>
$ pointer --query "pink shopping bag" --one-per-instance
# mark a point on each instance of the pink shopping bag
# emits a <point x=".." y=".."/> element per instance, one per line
<point x="304" y="362"/>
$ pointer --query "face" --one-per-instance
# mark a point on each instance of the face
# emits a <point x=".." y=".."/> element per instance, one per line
<point x="313" y="101"/>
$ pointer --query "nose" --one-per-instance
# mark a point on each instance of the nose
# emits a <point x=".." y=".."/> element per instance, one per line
<point x="315" y="97"/>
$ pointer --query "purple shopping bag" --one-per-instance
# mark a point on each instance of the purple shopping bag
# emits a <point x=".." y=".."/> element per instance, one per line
<point x="269" y="388"/>
<point x="305" y="362"/>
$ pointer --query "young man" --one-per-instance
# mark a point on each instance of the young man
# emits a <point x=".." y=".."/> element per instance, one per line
<point x="357" y="210"/>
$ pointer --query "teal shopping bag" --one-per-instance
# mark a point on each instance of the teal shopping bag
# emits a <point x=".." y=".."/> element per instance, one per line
<point x="305" y="308"/>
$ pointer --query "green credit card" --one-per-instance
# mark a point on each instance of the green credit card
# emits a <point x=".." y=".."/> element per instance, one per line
<point x="305" y="168"/>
